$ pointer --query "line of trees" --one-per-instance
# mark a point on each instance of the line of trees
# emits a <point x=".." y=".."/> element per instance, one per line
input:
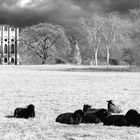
<point x="105" y="32"/>
<point x="44" y="43"/>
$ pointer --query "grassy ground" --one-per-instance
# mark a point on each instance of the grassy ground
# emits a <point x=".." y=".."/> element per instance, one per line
<point x="54" y="91"/>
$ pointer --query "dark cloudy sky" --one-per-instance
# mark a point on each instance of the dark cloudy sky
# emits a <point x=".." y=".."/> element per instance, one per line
<point x="29" y="12"/>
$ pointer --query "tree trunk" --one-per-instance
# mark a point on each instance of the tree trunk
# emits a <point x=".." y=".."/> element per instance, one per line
<point x="107" y="58"/>
<point x="96" y="57"/>
<point x="77" y="55"/>
<point x="44" y="58"/>
<point x="43" y="61"/>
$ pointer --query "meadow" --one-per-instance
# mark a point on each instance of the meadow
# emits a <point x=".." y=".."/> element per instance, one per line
<point x="58" y="89"/>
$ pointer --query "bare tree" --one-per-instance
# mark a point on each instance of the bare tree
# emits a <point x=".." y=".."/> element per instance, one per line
<point x="93" y="27"/>
<point x="44" y="40"/>
<point x="114" y="29"/>
<point x="135" y="13"/>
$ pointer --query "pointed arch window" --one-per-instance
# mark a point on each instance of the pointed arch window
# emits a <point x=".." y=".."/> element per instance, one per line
<point x="12" y="40"/>
<point x="12" y="60"/>
<point x="5" y="48"/>
<point x="12" y="49"/>
<point x="5" y="39"/>
<point x="5" y="60"/>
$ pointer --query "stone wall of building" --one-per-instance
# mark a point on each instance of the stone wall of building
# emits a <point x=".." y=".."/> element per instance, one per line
<point x="9" y="37"/>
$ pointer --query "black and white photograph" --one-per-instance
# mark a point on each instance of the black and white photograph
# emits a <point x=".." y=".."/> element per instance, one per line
<point x="69" y="69"/>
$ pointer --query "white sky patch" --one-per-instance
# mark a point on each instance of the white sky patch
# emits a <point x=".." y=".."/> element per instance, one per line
<point x="23" y="3"/>
<point x="75" y="7"/>
<point x="29" y="3"/>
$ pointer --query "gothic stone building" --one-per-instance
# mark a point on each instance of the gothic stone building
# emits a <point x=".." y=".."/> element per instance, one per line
<point x="8" y="44"/>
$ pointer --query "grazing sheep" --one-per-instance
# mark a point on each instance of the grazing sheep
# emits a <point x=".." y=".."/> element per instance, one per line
<point x="71" y="118"/>
<point x="116" y="120"/>
<point x="26" y="113"/>
<point x="132" y="117"/>
<point x="113" y="108"/>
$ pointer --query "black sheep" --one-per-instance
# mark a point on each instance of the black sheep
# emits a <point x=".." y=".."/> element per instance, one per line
<point x="66" y="118"/>
<point x="116" y="120"/>
<point x="26" y="113"/>
<point x="78" y="116"/>
<point x="87" y="107"/>
<point x="90" y="117"/>
<point x="96" y="116"/>
<point x="102" y="114"/>
<point x="71" y="118"/>
<point x="132" y="117"/>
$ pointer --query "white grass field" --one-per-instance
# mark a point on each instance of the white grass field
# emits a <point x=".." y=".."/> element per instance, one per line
<point x="56" y="92"/>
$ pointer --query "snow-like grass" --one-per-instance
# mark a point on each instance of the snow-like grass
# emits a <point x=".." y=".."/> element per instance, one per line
<point x="56" y="92"/>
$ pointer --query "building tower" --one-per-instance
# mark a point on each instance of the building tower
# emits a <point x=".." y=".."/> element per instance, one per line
<point x="9" y="37"/>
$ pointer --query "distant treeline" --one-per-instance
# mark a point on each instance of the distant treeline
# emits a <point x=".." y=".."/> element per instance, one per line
<point x="110" y="39"/>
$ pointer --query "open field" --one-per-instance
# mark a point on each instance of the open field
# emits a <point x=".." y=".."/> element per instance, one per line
<point x="54" y="92"/>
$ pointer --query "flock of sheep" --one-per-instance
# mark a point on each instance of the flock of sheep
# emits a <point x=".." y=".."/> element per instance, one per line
<point x="107" y="116"/>
<point x="88" y="114"/>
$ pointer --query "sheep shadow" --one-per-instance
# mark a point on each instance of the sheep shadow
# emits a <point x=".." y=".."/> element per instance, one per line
<point x="10" y="116"/>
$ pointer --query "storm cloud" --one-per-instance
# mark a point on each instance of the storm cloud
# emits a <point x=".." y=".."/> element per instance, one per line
<point x="30" y="12"/>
